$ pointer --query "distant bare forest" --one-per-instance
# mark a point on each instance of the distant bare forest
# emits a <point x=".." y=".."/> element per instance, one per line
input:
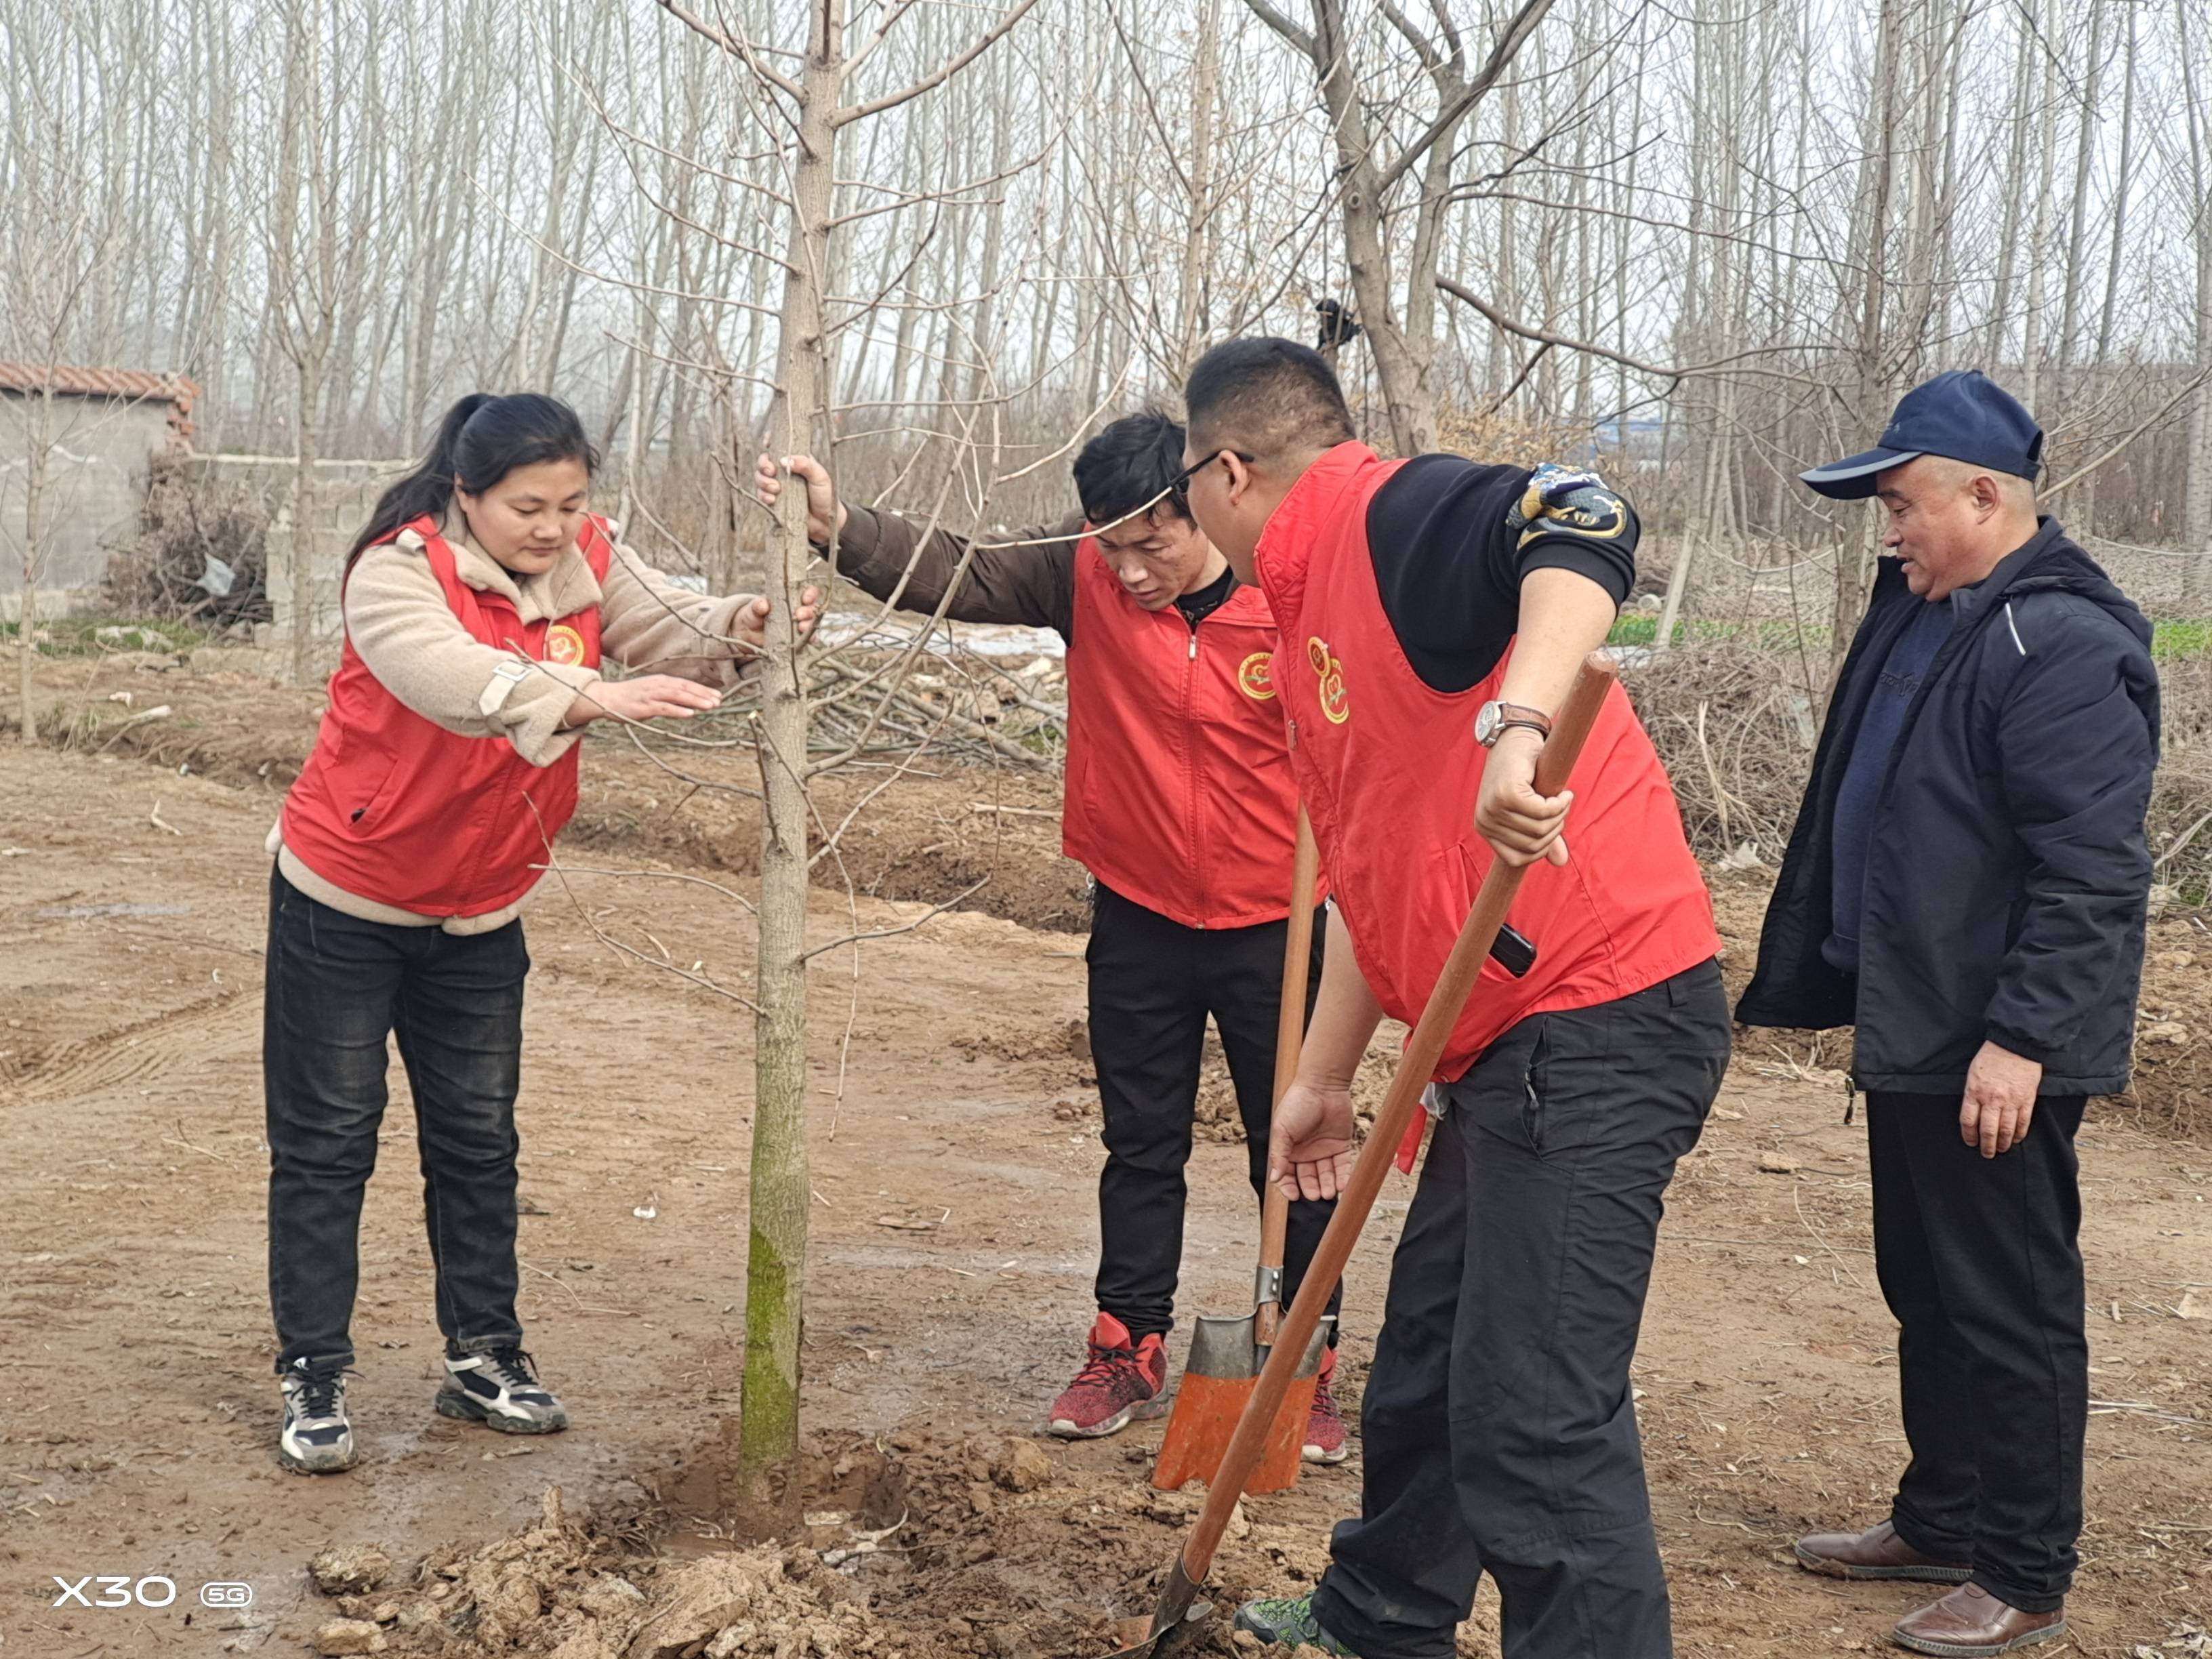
<point x="1704" y="246"/>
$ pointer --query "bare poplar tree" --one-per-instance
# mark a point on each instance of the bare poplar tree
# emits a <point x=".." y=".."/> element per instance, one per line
<point x="321" y="228"/>
<point x="1399" y="311"/>
<point x="58" y="249"/>
<point x="803" y="116"/>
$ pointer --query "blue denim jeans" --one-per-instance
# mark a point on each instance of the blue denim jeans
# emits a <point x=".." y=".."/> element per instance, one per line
<point x="338" y="988"/>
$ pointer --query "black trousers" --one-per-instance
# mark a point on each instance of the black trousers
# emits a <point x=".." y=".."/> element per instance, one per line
<point x="1153" y="982"/>
<point x="338" y="987"/>
<point x="1498" y="1431"/>
<point x="1980" y="1261"/>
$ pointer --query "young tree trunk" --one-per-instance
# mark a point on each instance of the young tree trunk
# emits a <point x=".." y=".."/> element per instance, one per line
<point x="2085" y="150"/>
<point x="1855" y="555"/>
<point x="1197" y="253"/>
<point x="34" y="533"/>
<point x="2015" y="171"/>
<point x="2039" y="247"/>
<point x="303" y="526"/>
<point x="2196" y="499"/>
<point x="2123" y="179"/>
<point x="768" y="1448"/>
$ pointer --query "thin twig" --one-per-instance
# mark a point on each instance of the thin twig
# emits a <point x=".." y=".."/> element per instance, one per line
<point x="934" y="910"/>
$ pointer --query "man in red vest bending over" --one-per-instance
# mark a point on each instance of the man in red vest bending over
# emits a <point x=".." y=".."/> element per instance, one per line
<point x="1433" y="614"/>
<point x="1180" y="803"/>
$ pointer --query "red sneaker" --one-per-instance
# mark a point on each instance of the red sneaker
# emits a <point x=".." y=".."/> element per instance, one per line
<point x="1324" y="1423"/>
<point x="1120" y="1382"/>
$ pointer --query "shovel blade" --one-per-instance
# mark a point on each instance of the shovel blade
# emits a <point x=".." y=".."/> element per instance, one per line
<point x="1206" y="1414"/>
<point x="1139" y="1639"/>
<point x="1177" y="1615"/>
<point x="1216" y="1385"/>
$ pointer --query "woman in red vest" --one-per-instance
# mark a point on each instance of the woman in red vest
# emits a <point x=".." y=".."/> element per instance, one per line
<point x="479" y="604"/>
<point x="1434" y="613"/>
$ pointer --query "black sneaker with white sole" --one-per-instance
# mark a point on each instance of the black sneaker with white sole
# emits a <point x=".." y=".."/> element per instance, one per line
<point x="499" y="1389"/>
<point x="317" y="1436"/>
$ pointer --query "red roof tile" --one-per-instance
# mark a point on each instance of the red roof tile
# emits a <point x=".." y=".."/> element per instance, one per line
<point x="80" y="381"/>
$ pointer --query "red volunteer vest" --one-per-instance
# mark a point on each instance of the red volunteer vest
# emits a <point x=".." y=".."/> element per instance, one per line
<point x="1390" y="769"/>
<point x="1179" y="793"/>
<point x="393" y="808"/>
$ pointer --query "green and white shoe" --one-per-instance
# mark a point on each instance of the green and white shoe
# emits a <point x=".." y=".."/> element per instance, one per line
<point x="1290" y="1622"/>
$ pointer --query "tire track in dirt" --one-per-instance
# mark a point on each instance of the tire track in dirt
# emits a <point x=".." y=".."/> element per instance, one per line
<point x="150" y="1048"/>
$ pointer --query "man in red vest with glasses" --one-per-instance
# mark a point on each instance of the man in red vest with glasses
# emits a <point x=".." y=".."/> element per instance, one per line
<point x="1434" y="613"/>
<point x="1179" y="800"/>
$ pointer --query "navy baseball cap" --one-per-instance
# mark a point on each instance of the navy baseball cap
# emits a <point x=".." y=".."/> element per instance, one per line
<point x="1964" y="415"/>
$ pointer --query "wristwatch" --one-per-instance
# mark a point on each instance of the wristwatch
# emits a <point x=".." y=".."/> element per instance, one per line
<point x="1493" y="719"/>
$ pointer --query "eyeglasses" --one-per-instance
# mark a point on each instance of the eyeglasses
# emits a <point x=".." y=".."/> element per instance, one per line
<point x="1179" y="486"/>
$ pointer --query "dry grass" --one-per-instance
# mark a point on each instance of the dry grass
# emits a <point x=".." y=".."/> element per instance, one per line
<point x="1735" y="724"/>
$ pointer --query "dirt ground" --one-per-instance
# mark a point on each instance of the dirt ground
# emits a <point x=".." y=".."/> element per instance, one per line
<point x="949" y="1280"/>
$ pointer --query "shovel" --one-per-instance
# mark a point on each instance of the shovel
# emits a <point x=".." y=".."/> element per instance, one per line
<point x="1226" y="1355"/>
<point x="1178" y="1611"/>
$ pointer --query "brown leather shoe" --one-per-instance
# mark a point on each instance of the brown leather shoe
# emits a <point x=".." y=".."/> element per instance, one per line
<point x="1969" y="1622"/>
<point x="1877" y="1552"/>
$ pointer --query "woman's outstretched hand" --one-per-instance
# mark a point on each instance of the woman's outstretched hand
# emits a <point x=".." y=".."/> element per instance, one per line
<point x="648" y="697"/>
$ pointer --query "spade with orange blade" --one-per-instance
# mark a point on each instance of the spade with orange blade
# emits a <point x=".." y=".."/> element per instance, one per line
<point x="1227" y="1355"/>
<point x="1178" y="1611"/>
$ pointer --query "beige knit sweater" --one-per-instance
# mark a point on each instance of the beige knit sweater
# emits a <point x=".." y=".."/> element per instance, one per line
<point x="407" y="637"/>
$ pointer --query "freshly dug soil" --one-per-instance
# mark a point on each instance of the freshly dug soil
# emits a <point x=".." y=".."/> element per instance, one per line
<point x="571" y="1591"/>
<point x="914" y="1547"/>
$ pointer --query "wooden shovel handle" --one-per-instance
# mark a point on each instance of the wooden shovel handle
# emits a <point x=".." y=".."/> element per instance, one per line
<point x="1289" y="1037"/>
<point x="1423" y="1049"/>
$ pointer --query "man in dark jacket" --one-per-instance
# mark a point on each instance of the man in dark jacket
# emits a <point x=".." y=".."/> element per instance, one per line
<point x="1967" y="885"/>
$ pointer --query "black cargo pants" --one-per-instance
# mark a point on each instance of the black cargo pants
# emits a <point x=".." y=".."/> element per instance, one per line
<point x="1153" y="983"/>
<point x="1498" y="1429"/>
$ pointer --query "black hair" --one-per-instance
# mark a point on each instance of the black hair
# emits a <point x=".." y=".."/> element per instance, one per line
<point x="1266" y="395"/>
<point x="1128" y="465"/>
<point x="481" y="440"/>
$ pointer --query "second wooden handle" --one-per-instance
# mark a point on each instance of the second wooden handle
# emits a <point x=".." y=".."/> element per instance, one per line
<point x="1290" y="1033"/>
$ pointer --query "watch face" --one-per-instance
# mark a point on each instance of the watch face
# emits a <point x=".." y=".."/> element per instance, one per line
<point x="1486" y="724"/>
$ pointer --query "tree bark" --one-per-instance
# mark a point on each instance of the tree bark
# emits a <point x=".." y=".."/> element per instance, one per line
<point x="2196" y="501"/>
<point x="1855" y="554"/>
<point x="37" y="462"/>
<point x="776" y="1271"/>
<point x="1197" y="249"/>
<point x="303" y="529"/>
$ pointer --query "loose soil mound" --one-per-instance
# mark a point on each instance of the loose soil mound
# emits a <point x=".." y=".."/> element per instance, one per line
<point x="993" y="1549"/>
<point x="567" y="1591"/>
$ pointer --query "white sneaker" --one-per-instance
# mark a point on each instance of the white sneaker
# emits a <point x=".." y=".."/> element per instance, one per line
<point x="317" y="1437"/>
<point x="499" y="1389"/>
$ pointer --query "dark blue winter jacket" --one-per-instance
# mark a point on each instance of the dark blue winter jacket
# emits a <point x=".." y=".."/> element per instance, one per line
<point x="2007" y="874"/>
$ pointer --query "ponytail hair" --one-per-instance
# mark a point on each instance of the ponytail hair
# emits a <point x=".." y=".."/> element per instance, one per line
<point x="481" y="440"/>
